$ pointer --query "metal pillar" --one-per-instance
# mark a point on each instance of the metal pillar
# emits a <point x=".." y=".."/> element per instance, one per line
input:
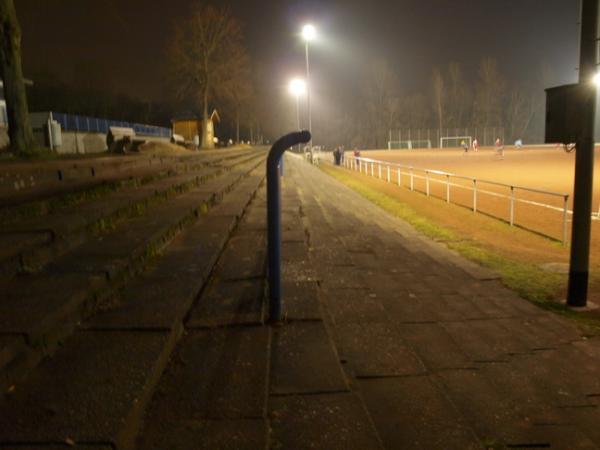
<point x="308" y="96"/>
<point x="584" y="159"/>
<point x="274" y="217"/>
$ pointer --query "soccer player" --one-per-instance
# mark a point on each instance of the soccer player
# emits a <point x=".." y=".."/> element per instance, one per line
<point x="499" y="148"/>
<point x="475" y="145"/>
<point x="464" y="145"/>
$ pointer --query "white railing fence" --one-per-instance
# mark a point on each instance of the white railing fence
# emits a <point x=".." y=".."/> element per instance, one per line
<point x="448" y="184"/>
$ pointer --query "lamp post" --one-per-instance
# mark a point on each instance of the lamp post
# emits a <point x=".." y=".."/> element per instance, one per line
<point x="309" y="33"/>
<point x="584" y="158"/>
<point x="297" y="87"/>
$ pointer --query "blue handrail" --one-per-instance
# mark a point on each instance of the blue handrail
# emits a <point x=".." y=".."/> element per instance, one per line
<point x="274" y="217"/>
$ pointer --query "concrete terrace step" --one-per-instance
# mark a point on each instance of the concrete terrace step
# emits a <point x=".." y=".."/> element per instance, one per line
<point x="36" y="241"/>
<point x="83" y="280"/>
<point x="123" y="172"/>
<point x="104" y="374"/>
<point x="26" y="181"/>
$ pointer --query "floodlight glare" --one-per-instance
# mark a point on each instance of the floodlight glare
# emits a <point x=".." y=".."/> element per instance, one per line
<point x="297" y="87"/>
<point x="309" y="33"/>
<point x="596" y="79"/>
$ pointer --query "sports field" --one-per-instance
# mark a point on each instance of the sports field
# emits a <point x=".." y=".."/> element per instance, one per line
<point x="542" y="168"/>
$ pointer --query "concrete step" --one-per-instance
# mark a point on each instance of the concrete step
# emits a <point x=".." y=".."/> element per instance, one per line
<point x="84" y="280"/>
<point x="148" y="317"/>
<point x="105" y="373"/>
<point x="214" y="392"/>
<point x="121" y="174"/>
<point x="22" y="182"/>
<point x="37" y="241"/>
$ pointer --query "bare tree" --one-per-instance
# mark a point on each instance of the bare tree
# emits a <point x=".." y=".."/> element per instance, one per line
<point x="206" y="55"/>
<point x="489" y="96"/>
<point x="438" y="96"/>
<point x="520" y="110"/>
<point x="458" y="97"/>
<point x="239" y="93"/>
<point x="19" y="126"/>
<point x="381" y="100"/>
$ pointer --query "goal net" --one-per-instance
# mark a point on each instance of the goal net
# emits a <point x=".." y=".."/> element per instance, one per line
<point x="408" y="145"/>
<point x="455" y="141"/>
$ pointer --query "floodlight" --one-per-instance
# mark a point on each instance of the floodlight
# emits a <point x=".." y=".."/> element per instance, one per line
<point x="309" y="32"/>
<point x="297" y="87"/>
<point x="596" y="79"/>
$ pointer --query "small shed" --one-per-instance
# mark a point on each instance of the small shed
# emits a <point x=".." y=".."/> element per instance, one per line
<point x="189" y="126"/>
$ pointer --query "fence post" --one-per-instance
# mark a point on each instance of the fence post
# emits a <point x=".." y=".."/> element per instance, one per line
<point x="565" y="215"/>
<point x="388" y="171"/>
<point x="379" y="170"/>
<point x="474" y="195"/>
<point x="372" y="169"/>
<point x="447" y="188"/>
<point x="512" y="206"/>
<point x="427" y="182"/>
<point x="274" y="217"/>
<point x="399" y="179"/>
<point x="412" y="180"/>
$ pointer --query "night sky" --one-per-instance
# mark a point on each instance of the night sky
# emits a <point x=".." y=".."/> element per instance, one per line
<point x="120" y="44"/>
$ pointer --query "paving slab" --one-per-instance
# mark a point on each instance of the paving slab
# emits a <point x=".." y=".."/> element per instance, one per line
<point x="353" y="305"/>
<point x="149" y="302"/>
<point x="499" y="419"/>
<point x="198" y="434"/>
<point x="412" y="412"/>
<point x="295" y="262"/>
<point x="356" y="343"/>
<point x="407" y="307"/>
<point x="256" y="217"/>
<point x="244" y="257"/>
<point x="214" y="374"/>
<point x="331" y="421"/>
<point x="433" y="346"/>
<point x="300" y="300"/>
<point x="92" y="390"/>
<point x="47" y="299"/>
<point x="481" y="341"/>
<point x="229" y="302"/>
<point x="66" y="446"/>
<point x="303" y="360"/>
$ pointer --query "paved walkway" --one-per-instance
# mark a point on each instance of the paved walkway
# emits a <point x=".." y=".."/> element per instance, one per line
<point x="390" y="341"/>
<point x="438" y="353"/>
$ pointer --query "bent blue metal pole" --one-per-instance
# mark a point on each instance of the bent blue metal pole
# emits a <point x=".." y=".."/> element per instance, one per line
<point x="274" y="217"/>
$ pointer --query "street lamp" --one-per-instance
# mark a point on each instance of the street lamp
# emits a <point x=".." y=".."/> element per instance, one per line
<point x="309" y="33"/>
<point x="297" y="88"/>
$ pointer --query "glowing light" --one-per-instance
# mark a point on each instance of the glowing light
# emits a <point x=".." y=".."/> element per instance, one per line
<point x="596" y="79"/>
<point x="309" y="32"/>
<point x="297" y="87"/>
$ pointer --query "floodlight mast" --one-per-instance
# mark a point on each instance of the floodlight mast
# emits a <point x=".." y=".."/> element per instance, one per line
<point x="297" y="88"/>
<point x="584" y="159"/>
<point x="309" y="33"/>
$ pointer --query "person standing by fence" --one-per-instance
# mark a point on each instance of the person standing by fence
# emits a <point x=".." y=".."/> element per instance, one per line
<point x="356" y="157"/>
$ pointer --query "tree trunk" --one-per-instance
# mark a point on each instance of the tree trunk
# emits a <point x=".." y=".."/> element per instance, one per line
<point x="206" y="140"/>
<point x="237" y="126"/>
<point x="19" y="126"/>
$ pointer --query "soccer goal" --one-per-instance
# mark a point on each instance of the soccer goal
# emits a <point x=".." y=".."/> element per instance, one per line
<point x="455" y="141"/>
<point x="409" y="145"/>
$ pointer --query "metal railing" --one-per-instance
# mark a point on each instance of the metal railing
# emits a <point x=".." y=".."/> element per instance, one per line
<point x="408" y="175"/>
<point x="85" y="124"/>
<point x="274" y="165"/>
